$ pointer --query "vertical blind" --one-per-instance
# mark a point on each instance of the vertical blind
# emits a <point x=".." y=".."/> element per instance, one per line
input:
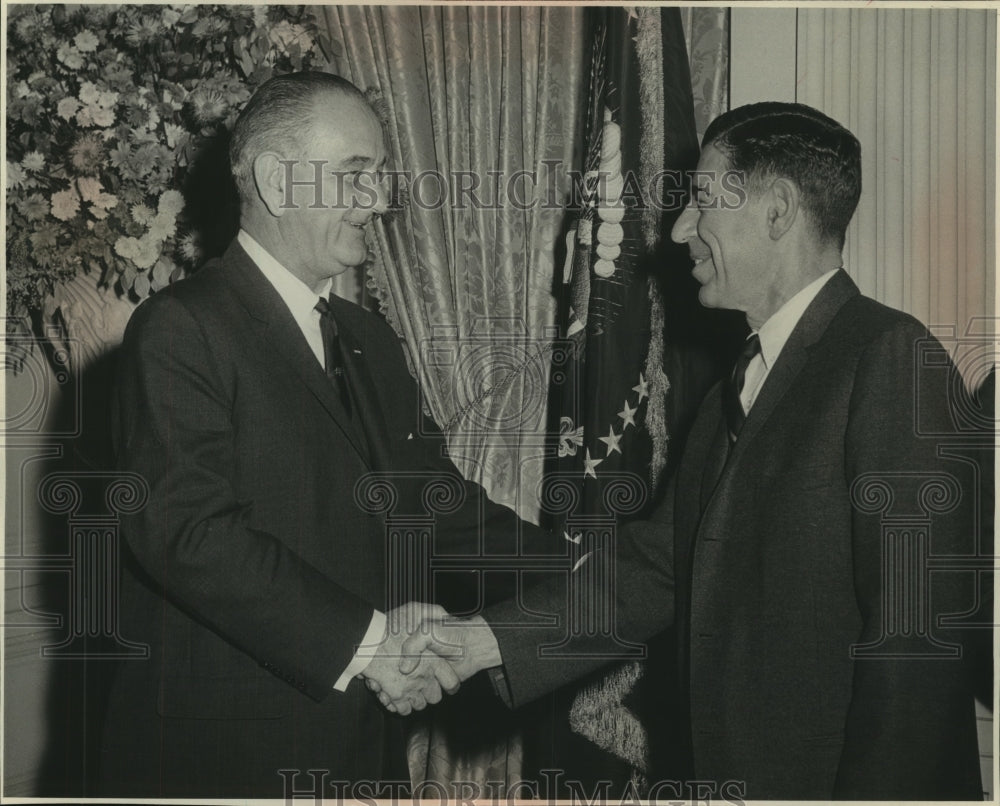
<point x="918" y="88"/>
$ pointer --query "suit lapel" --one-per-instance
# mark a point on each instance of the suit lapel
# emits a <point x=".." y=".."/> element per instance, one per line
<point x="794" y="356"/>
<point x="720" y="470"/>
<point x="718" y="451"/>
<point x="279" y="330"/>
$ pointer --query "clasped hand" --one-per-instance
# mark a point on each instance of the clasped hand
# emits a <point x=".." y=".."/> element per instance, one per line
<point x="426" y="652"/>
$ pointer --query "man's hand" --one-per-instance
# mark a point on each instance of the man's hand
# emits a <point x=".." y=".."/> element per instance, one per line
<point x="426" y="677"/>
<point x="468" y="645"/>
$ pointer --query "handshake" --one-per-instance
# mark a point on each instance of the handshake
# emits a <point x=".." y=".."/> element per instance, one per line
<point x="426" y="652"/>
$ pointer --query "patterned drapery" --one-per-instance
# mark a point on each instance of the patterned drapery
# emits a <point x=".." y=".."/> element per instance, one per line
<point x="486" y="100"/>
<point x="706" y="30"/>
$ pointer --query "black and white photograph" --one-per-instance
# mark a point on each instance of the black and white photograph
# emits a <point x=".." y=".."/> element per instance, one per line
<point x="485" y="403"/>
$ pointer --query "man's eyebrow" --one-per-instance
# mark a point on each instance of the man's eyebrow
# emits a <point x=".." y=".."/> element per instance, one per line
<point x="356" y="162"/>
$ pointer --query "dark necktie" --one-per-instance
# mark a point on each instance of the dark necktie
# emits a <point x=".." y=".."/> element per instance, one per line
<point x="333" y="359"/>
<point x="731" y="391"/>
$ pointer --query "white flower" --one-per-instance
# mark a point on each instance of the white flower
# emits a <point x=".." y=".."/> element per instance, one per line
<point x="86" y="41"/>
<point x="207" y="105"/>
<point x="35" y="207"/>
<point x="127" y="248"/>
<point x="15" y="175"/>
<point x="22" y="90"/>
<point x="88" y="154"/>
<point x="65" y="204"/>
<point x="189" y="248"/>
<point x="67" y="107"/>
<point x="89" y="94"/>
<point x="175" y="97"/>
<point x="89" y="187"/>
<point x="141" y="214"/>
<point x="98" y="106"/>
<point x="173" y="133"/>
<point x="33" y="161"/>
<point x="102" y="116"/>
<point x="171" y="203"/>
<point x="162" y="227"/>
<point x="148" y="252"/>
<point x="169" y="17"/>
<point x="69" y="56"/>
<point x="107" y="99"/>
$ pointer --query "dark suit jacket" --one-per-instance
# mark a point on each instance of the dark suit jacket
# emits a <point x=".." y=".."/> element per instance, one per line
<point x="772" y="573"/>
<point x="253" y="572"/>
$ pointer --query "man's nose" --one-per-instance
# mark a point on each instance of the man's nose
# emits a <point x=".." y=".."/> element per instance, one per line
<point x="382" y="194"/>
<point x="373" y="194"/>
<point x="686" y="226"/>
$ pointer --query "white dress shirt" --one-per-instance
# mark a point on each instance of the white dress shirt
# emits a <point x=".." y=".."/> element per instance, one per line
<point x="301" y="301"/>
<point x="774" y="334"/>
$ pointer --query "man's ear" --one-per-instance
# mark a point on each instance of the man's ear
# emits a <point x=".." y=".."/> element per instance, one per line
<point x="782" y="207"/>
<point x="269" y="179"/>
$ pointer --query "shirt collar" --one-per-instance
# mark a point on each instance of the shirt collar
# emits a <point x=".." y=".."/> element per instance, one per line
<point x="300" y="298"/>
<point x="775" y="331"/>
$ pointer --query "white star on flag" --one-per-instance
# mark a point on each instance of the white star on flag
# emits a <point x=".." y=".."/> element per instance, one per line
<point x="589" y="465"/>
<point x="642" y="388"/>
<point x="626" y="414"/>
<point x="612" y="440"/>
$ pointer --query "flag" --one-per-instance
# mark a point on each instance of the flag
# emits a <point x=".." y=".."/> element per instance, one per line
<point x="639" y="138"/>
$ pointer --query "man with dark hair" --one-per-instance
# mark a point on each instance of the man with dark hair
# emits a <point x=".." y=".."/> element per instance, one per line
<point x="814" y="658"/>
<point x="804" y="145"/>
<point x="252" y="402"/>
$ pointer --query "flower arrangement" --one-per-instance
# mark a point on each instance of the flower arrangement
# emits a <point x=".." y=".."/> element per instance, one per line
<point x="108" y="109"/>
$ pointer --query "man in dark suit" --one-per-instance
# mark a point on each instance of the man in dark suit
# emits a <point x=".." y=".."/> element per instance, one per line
<point x="252" y="405"/>
<point x="792" y="550"/>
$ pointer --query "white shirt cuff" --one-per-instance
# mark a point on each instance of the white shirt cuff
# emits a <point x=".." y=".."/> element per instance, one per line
<point x="365" y="652"/>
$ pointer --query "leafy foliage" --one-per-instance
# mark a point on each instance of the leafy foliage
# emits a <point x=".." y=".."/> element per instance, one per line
<point x="110" y="109"/>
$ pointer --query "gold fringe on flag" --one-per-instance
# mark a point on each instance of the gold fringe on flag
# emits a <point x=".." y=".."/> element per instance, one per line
<point x="600" y="714"/>
<point x="649" y="50"/>
<point x="659" y="384"/>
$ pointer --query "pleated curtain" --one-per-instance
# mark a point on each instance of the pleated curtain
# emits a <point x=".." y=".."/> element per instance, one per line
<point x="479" y="92"/>
<point x="918" y="87"/>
